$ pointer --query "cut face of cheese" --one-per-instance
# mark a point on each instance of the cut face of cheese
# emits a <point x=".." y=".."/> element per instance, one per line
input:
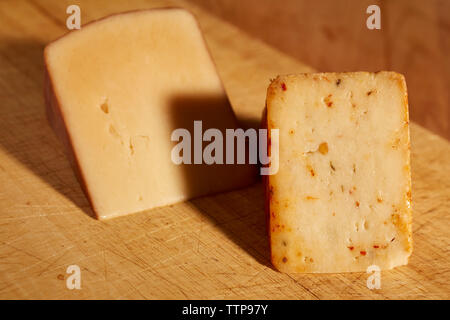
<point x="340" y="201"/>
<point x="116" y="90"/>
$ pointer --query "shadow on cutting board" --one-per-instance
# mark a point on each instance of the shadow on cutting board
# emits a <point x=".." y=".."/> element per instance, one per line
<point x="236" y="205"/>
<point x="24" y="131"/>
<point x="26" y="135"/>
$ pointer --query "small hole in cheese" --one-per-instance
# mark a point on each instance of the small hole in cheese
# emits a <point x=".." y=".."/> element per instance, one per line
<point x="332" y="166"/>
<point x="104" y="106"/>
<point x="366" y="225"/>
<point x="113" y="131"/>
<point x="131" y="147"/>
<point x="323" y="148"/>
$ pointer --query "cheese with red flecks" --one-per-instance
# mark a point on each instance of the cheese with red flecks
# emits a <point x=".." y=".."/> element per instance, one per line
<point x="340" y="201"/>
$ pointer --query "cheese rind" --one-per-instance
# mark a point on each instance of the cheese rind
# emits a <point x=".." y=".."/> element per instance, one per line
<point x="115" y="91"/>
<point x="340" y="201"/>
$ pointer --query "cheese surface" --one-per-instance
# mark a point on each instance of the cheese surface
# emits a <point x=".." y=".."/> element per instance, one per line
<point x="116" y="90"/>
<point x="340" y="201"/>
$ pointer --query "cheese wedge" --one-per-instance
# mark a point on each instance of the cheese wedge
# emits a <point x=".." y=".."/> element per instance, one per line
<point x="340" y="201"/>
<point x="116" y="90"/>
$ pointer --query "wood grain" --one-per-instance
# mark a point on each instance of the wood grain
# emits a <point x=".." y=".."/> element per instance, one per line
<point x="331" y="35"/>
<point x="209" y="248"/>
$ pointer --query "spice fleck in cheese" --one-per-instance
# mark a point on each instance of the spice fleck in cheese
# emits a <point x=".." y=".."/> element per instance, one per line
<point x="340" y="201"/>
<point x="115" y="92"/>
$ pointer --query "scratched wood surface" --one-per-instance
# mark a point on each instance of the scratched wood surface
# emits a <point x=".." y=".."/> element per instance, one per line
<point x="209" y="248"/>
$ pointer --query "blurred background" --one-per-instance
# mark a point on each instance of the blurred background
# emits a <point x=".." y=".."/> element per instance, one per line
<point x="331" y="35"/>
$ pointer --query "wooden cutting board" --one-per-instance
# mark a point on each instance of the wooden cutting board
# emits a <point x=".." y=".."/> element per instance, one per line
<point x="209" y="248"/>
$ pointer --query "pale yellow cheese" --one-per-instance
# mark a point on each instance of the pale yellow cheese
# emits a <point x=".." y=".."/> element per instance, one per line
<point x="340" y="201"/>
<point x="116" y="90"/>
